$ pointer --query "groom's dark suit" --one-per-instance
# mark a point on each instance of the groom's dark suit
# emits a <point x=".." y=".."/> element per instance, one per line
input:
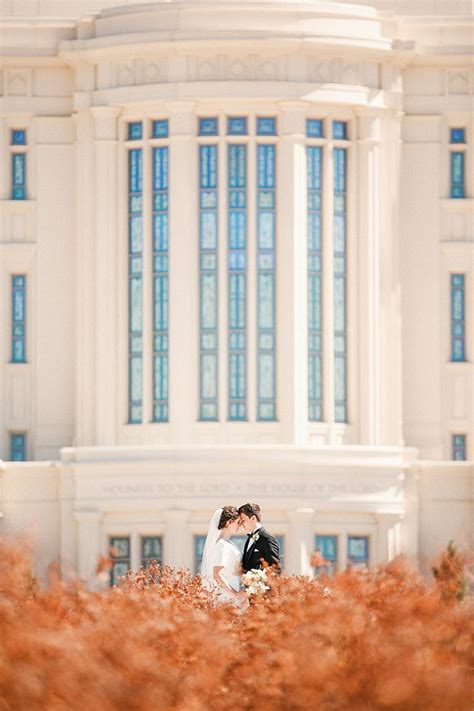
<point x="265" y="548"/>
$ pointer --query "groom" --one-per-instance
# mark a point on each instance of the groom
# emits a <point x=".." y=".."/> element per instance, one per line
<point x="260" y="545"/>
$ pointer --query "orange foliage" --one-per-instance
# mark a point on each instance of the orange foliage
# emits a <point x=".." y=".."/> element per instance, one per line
<point x="380" y="639"/>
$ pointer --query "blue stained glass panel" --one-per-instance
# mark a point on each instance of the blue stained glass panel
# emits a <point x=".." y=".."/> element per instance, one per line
<point x="327" y="546"/>
<point x="18" y="176"/>
<point x="160" y="276"/>
<point x="237" y="280"/>
<point x="237" y="126"/>
<point x="314" y="128"/>
<point x="339" y="276"/>
<point x="266" y="275"/>
<point x="17" y="447"/>
<point x="208" y="265"/>
<point x="458" y="345"/>
<point x="457" y="175"/>
<point x="160" y="128"/>
<point x="266" y="126"/>
<point x="358" y="550"/>
<point x="315" y="296"/>
<point x="135" y="131"/>
<point x="208" y="127"/>
<point x="135" y="282"/>
<point x="457" y="135"/>
<point x="18" y="326"/>
<point x="18" y="137"/>
<point x="458" y="444"/>
<point x="339" y="130"/>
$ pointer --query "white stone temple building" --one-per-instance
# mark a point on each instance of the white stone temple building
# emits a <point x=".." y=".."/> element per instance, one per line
<point x="236" y="264"/>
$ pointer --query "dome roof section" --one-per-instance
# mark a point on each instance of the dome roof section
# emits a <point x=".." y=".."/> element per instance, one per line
<point x="315" y="22"/>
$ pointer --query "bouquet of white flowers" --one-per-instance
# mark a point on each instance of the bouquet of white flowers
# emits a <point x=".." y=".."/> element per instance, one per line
<point x="254" y="582"/>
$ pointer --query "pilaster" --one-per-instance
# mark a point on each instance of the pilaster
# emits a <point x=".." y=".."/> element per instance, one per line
<point x="106" y="208"/>
<point x="88" y="544"/>
<point x="300" y="542"/>
<point x="292" y="310"/>
<point x="183" y="285"/>
<point x="85" y="280"/>
<point x="177" y="549"/>
<point x="368" y="145"/>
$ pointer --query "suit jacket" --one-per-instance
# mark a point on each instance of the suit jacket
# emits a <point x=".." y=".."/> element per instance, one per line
<point x="265" y="547"/>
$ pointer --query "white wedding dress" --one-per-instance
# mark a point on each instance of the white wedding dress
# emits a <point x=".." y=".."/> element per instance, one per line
<point x="223" y="554"/>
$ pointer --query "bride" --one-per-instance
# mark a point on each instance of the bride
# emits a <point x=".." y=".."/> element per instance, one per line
<point x="221" y="559"/>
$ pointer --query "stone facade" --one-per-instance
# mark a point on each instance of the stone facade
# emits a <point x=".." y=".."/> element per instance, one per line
<point x="74" y="76"/>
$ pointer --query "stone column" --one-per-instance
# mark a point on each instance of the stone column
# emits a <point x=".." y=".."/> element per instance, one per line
<point x="369" y="134"/>
<point x="177" y="543"/>
<point x="88" y="544"/>
<point x="85" y="274"/>
<point x="292" y="357"/>
<point x="300" y="542"/>
<point x="106" y="208"/>
<point x="184" y="271"/>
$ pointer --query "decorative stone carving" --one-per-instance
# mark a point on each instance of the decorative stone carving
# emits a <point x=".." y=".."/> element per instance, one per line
<point x="18" y="82"/>
<point x="458" y="83"/>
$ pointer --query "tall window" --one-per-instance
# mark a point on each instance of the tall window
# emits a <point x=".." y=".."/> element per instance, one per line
<point x="339" y="251"/>
<point x="18" y="447"/>
<point x="315" y="335"/>
<point x="458" y="445"/>
<point x="237" y="282"/>
<point x="327" y="546"/>
<point x="208" y="252"/>
<point x="151" y="550"/>
<point x="358" y="550"/>
<point x="120" y="553"/>
<point x="458" y="334"/>
<point x="18" y="157"/>
<point x="266" y="286"/>
<point x="457" y="158"/>
<point x="160" y="276"/>
<point x="199" y="542"/>
<point x="18" y="284"/>
<point x="135" y="272"/>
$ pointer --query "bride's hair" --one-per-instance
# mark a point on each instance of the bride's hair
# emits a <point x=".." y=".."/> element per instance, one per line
<point x="229" y="513"/>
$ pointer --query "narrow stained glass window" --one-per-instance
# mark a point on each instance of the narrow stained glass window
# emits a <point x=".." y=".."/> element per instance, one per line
<point x="160" y="284"/>
<point x="358" y="551"/>
<point x="266" y="126"/>
<point x="457" y="135"/>
<point x="18" y="176"/>
<point x="18" y="447"/>
<point x="135" y="131"/>
<point x="199" y="542"/>
<point x="458" y="445"/>
<point x="237" y="282"/>
<point x="208" y="127"/>
<point x="120" y="554"/>
<point x="208" y="236"/>
<point x="237" y="126"/>
<point x="315" y="287"/>
<point x="266" y="287"/>
<point x="18" y="137"/>
<point x="152" y="550"/>
<point x="314" y="128"/>
<point x="339" y="130"/>
<point x="160" y="128"/>
<point x="18" y="318"/>
<point x="135" y="286"/>
<point x="458" y="321"/>
<point x="457" y="174"/>
<point x="327" y="546"/>
<point x="340" y="317"/>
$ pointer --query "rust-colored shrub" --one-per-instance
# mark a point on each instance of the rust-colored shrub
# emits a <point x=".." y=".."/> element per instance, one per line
<point x="381" y="639"/>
